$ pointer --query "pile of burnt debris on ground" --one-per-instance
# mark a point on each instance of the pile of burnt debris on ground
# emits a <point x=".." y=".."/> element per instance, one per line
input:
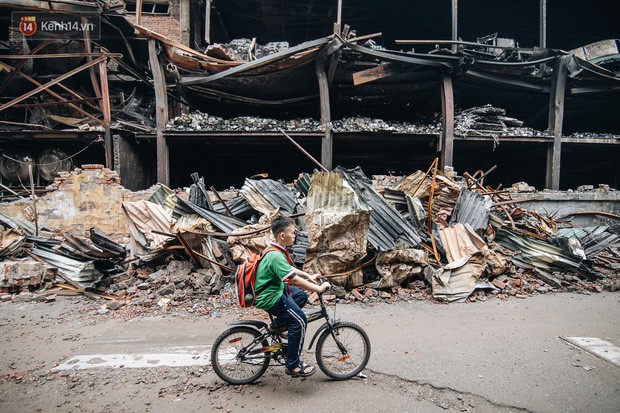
<point x="429" y="235"/>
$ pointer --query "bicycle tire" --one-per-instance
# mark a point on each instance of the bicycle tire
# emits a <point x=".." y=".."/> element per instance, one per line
<point x="225" y="356"/>
<point x="332" y="361"/>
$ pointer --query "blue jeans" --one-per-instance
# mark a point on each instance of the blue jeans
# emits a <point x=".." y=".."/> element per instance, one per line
<point x="287" y="310"/>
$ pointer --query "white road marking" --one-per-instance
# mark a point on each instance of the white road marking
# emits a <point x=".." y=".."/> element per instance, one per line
<point x="182" y="356"/>
<point x="601" y="348"/>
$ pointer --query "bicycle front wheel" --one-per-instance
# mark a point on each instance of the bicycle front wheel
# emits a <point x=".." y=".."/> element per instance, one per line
<point x="347" y="360"/>
<point x="236" y="355"/>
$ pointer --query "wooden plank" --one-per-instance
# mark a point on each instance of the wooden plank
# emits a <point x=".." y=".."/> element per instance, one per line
<point x="327" y="142"/>
<point x="138" y="12"/>
<point x="375" y="73"/>
<point x="556" y="118"/>
<point x="105" y="92"/>
<point x="161" y="115"/>
<point x="447" y="121"/>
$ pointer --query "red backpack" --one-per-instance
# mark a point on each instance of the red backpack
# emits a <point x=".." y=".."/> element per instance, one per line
<point x="245" y="278"/>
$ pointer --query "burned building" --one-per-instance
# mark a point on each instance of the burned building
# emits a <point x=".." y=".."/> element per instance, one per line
<point x="222" y="87"/>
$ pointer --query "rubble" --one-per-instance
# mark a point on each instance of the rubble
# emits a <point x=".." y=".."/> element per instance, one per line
<point x="426" y="235"/>
<point x="198" y="121"/>
<point x="490" y="120"/>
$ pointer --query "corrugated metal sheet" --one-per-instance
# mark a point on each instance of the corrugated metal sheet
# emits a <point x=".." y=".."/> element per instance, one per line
<point x="592" y="239"/>
<point x="267" y="195"/>
<point x="102" y="241"/>
<point x="460" y="241"/>
<point x="165" y="197"/>
<point x="386" y="224"/>
<point x="533" y="253"/>
<point x="472" y="208"/>
<point x="84" y="273"/>
<point x="299" y="248"/>
<point x="223" y="222"/>
<point x="81" y="248"/>
<point x="302" y="184"/>
<point x="18" y="223"/>
<point x="239" y="206"/>
<point x="142" y="218"/>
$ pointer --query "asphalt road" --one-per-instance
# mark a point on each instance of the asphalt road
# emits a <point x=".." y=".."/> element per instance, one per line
<point x="493" y="356"/>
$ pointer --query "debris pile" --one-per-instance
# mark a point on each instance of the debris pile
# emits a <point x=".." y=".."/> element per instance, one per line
<point x="247" y="49"/>
<point x="198" y="121"/>
<point x="487" y="119"/>
<point x="429" y="234"/>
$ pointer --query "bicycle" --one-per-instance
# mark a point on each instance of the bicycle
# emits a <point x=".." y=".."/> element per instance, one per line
<point x="243" y="353"/>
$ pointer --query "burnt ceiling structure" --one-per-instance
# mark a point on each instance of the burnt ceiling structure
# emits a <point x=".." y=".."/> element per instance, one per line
<point x="570" y="23"/>
<point x="387" y="90"/>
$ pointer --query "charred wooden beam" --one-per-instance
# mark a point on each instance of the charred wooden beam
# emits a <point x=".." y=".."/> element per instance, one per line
<point x="372" y="74"/>
<point x="161" y="114"/>
<point x="556" y="118"/>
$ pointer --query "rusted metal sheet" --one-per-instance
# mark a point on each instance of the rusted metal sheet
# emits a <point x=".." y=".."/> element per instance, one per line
<point x="386" y="224"/>
<point x="460" y="241"/>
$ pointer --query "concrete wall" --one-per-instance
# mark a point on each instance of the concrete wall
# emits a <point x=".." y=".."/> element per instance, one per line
<point x="562" y="203"/>
<point x="84" y="199"/>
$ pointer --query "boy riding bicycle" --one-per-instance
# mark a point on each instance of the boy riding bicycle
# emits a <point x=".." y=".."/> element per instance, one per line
<point x="278" y="292"/>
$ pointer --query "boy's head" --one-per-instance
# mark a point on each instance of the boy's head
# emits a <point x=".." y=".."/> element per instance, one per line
<point x="283" y="229"/>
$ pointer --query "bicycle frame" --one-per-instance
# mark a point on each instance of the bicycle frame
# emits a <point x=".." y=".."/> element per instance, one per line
<point x="270" y="332"/>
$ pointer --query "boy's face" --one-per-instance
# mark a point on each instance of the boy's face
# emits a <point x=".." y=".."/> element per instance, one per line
<point x="286" y="238"/>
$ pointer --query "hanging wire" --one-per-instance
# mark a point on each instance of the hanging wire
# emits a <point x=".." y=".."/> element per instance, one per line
<point x="55" y="162"/>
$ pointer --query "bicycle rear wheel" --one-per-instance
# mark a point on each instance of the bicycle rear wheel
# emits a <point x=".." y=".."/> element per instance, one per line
<point x="333" y="361"/>
<point x="235" y="359"/>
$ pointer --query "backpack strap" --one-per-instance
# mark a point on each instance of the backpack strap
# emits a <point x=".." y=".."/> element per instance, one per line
<point x="272" y="248"/>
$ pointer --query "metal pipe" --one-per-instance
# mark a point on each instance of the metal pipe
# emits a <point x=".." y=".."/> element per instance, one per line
<point x="304" y="151"/>
<point x="217" y="194"/>
<point x="543" y="24"/>
<point x="455" y="34"/>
